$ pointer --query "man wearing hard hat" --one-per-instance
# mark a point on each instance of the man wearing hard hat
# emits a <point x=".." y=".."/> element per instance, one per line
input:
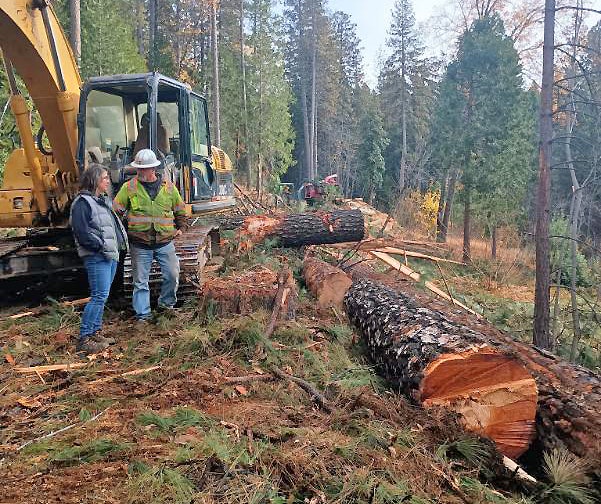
<point x="156" y="214"/>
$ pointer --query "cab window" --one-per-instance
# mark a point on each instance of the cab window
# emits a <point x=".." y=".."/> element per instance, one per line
<point x="105" y="124"/>
<point x="199" y="135"/>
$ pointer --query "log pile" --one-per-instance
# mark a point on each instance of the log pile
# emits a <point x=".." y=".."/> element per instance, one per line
<point x="327" y="283"/>
<point x="296" y="230"/>
<point x="439" y="363"/>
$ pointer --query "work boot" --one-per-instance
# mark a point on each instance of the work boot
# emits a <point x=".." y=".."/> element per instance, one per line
<point x="103" y="339"/>
<point x="166" y="311"/>
<point x="142" y="323"/>
<point x="91" y="346"/>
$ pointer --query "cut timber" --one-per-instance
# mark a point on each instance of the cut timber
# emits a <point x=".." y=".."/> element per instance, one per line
<point x="416" y="277"/>
<point x="569" y="396"/>
<point x="44" y="309"/>
<point x="50" y="368"/>
<point x="296" y="230"/>
<point x="417" y="255"/>
<point x="327" y="283"/>
<point x="439" y="363"/>
<point x="241" y="294"/>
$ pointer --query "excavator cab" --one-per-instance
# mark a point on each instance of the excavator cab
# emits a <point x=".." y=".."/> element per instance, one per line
<point x="120" y="115"/>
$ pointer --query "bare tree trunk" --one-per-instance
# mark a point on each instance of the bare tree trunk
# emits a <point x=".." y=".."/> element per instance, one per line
<point x="467" y="222"/>
<point x="313" y="124"/>
<point x="577" y="189"/>
<point x="575" y="212"/>
<point x="403" y="166"/>
<point x="446" y="217"/>
<point x="541" y="334"/>
<point x="75" y="33"/>
<point x="216" y="89"/>
<point x="246" y="155"/>
<point x="307" y="136"/>
<point x="493" y="247"/>
<point x="441" y="202"/>
<point x="303" y="98"/>
<point x="140" y="22"/>
<point x="152" y="34"/>
<point x="556" y="308"/>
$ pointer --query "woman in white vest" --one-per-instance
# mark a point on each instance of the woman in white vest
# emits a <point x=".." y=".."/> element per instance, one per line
<point x="99" y="236"/>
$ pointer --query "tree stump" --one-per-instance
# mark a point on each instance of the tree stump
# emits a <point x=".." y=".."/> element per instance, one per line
<point x="440" y="363"/>
<point x="241" y="294"/>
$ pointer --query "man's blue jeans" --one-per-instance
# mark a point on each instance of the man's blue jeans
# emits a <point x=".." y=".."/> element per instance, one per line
<point x="141" y="261"/>
<point x="101" y="272"/>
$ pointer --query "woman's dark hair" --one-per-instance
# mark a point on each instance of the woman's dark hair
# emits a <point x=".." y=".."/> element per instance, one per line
<point x="91" y="176"/>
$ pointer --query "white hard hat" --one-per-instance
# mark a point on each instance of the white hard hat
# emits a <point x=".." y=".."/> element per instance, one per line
<point x="145" y="158"/>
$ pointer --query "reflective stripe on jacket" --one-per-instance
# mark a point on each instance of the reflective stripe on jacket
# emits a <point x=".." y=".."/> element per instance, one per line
<point x="145" y="214"/>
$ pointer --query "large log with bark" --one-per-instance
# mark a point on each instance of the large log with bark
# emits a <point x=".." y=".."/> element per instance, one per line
<point x="295" y="230"/>
<point x="569" y="396"/>
<point x="326" y="282"/>
<point x="440" y="363"/>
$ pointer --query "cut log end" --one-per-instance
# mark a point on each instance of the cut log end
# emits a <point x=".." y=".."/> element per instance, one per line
<point x="494" y="394"/>
<point x="441" y="363"/>
<point x="327" y="283"/>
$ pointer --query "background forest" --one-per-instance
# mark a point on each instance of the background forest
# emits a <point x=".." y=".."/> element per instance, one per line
<point x="442" y="143"/>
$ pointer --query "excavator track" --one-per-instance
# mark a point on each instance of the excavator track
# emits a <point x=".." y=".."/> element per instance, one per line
<point x="194" y="248"/>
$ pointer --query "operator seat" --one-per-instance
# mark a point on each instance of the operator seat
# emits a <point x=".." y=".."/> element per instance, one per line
<point x="144" y="133"/>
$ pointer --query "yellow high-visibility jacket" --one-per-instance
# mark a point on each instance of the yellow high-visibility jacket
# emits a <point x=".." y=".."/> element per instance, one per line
<point x="151" y="221"/>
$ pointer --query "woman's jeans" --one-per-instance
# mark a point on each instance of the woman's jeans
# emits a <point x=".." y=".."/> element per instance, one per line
<point x="141" y="261"/>
<point x="101" y="272"/>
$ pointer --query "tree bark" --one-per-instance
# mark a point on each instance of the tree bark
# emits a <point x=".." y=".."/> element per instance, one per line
<point x="313" y="122"/>
<point x="216" y="83"/>
<point x="493" y="247"/>
<point x="296" y="230"/>
<point x="467" y="223"/>
<point x="541" y="334"/>
<point x="403" y="165"/>
<point x="152" y="34"/>
<point x="446" y="218"/>
<point x="439" y="363"/>
<point x="75" y="32"/>
<point x="327" y="283"/>
<point x="246" y="154"/>
<point x="569" y="396"/>
<point x="441" y="202"/>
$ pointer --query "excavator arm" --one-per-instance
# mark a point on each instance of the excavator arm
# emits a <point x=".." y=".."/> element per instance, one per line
<point x="38" y="187"/>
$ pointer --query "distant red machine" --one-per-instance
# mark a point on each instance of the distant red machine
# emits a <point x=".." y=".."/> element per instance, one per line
<point x="315" y="191"/>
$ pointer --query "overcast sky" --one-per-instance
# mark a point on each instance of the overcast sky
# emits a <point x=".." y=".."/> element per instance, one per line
<point x="373" y="19"/>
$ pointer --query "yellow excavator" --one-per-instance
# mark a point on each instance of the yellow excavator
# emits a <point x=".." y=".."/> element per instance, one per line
<point x="106" y="120"/>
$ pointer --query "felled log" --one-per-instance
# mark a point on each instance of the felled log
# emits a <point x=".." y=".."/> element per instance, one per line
<point x="327" y="283"/>
<point x="241" y="294"/>
<point x="439" y="363"/>
<point x="569" y="396"/>
<point x="296" y="230"/>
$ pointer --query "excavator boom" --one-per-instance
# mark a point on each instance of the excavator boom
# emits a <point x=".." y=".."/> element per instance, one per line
<point x="41" y="55"/>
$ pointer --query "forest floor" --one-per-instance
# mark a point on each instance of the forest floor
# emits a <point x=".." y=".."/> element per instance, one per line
<point x="169" y="414"/>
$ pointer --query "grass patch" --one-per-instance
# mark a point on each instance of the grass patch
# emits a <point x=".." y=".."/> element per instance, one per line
<point x="182" y="418"/>
<point x="98" y="449"/>
<point x="472" y="450"/>
<point x="158" y="485"/>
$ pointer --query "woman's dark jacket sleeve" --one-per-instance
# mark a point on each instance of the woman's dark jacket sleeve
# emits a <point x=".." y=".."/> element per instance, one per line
<point x="87" y="237"/>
